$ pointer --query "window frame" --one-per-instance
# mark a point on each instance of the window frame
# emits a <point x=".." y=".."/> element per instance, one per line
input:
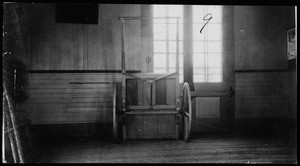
<point x="188" y="40"/>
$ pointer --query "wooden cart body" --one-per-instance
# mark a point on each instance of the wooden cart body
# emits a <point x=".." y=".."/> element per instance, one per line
<point x="149" y="100"/>
<point x="150" y="109"/>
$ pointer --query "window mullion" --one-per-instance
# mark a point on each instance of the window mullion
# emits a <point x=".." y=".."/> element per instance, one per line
<point x="206" y="53"/>
<point x="167" y="35"/>
<point x="188" y="44"/>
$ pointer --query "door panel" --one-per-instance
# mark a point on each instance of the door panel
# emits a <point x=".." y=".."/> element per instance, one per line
<point x="207" y="107"/>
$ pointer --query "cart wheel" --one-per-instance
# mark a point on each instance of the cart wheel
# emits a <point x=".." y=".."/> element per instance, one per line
<point x="186" y="112"/>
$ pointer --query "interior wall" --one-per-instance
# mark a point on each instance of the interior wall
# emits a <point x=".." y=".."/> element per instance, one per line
<point x="54" y="98"/>
<point x="265" y="87"/>
<point x="65" y="46"/>
<point x="260" y="36"/>
<point x="61" y="47"/>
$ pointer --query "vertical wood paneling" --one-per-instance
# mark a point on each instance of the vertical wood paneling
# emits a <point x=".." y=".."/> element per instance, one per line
<point x="146" y="93"/>
<point x="171" y="91"/>
<point x="70" y="48"/>
<point x="150" y="126"/>
<point x="99" y="49"/>
<point x="57" y="38"/>
<point x="41" y="47"/>
<point x="165" y="126"/>
<point x="48" y="51"/>
<point x="60" y="46"/>
<point x="258" y="44"/>
<point x="132" y="92"/>
<point x="101" y="58"/>
<point x="77" y="37"/>
<point x="92" y="47"/>
<point x="51" y="38"/>
<point x="33" y="51"/>
<point x="135" y="128"/>
<point x="84" y="54"/>
<point x="111" y="35"/>
<point x="63" y="46"/>
<point x="140" y="92"/>
<point x="161" y="92"/>
<point x="145" y="38"/>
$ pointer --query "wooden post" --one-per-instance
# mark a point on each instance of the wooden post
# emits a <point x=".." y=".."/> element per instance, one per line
<point x="177" y="75"/>
<point x="177" y="46"/>
<point x="7" y="122"/>
<point x="123" y="46"/>
<point x="12" y="118"/>
<point x="3" y="129"/>
<point x="11" y="139"/>
<point x="115" y="123"/>
<point x="124" y="79"/>
<point x="124" y="108"/>
<point x="188" y="45"/>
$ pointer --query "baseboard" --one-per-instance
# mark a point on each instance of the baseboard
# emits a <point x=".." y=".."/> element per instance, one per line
<point x="266" y="127"/>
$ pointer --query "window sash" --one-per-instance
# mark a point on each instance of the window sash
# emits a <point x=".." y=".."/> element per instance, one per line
<point x="210" y="42"/>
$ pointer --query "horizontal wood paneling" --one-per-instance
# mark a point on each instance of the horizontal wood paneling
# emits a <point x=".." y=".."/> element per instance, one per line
<point x="264" y="95"/>
<point x="53" y="100"/>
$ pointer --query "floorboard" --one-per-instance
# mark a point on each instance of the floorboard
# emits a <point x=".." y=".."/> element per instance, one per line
<point x="203" y="148"/>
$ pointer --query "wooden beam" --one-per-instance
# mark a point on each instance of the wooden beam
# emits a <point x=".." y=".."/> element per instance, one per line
<point x="148" y="107"/>
<point x="151" y="113"/>
<point x="82" y="71"/>
<point x="210" y="93"/>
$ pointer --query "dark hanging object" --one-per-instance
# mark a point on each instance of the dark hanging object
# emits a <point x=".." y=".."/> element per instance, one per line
<point x="77" y="13"/>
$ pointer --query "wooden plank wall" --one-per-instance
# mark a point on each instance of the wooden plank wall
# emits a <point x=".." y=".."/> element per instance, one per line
<point x="53" y="100"/>
<point x="62" y="46"/>
<point x="260" y="36"/>
<point x="263" y="95"/>
<point x="265" y="87"/>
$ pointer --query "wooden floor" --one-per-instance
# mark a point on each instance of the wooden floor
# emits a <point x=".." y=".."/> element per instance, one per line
<point x="203" y="148"/>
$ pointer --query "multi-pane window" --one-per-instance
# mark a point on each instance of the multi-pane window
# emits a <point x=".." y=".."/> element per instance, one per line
<point x="207" y="46"/>
<point x="164" y="36"/>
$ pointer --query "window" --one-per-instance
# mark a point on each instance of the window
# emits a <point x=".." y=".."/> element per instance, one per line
<point x="207" y="46"/>
<point x="164" y="37"/>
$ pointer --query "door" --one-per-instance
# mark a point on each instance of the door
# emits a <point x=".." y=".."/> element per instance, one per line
<point x="209" y="65"/>
<point x="208" y="59"/>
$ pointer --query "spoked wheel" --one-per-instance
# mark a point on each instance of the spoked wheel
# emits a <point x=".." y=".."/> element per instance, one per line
<point x="186" y="112"/>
